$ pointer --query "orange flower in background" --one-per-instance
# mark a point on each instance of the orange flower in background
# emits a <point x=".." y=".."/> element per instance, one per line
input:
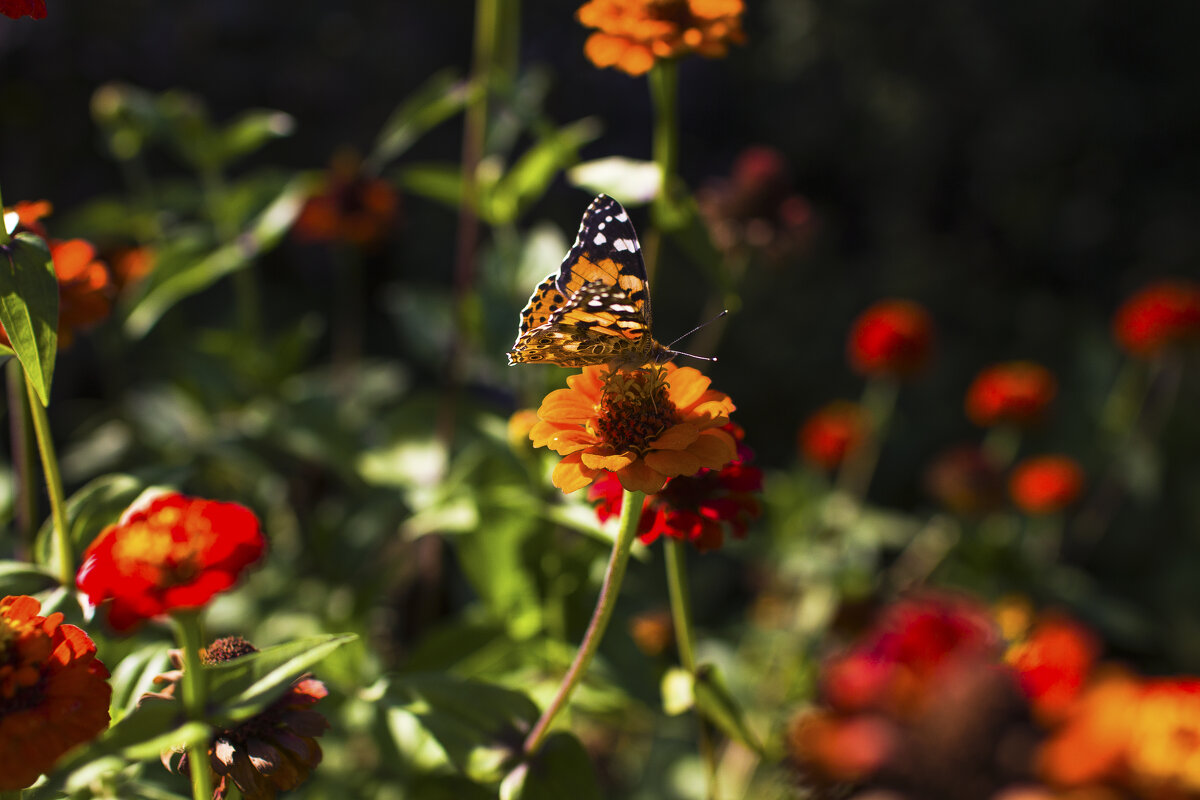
<point x="23" y="8"/>
<point x="173" y="552"/>
<point x="645" y="426"/>
<point x="1090" y="747"/>
<point x="274" y="751"/>
<point x="1053" y="663"/>
<point x="633" y="34"/>
<point x="891" y="338"/>
<point x="351" y="207"/>
<point x="129" y="265"/>
<point x="30" y="214"/>
<point x="1161" y="315"/>
<point x="1164" y="739"/>
<point x="54" y="694"/>
<point x="1016" y="392"/>
<point x="832" y="433"/>
<point x="1046" y="484"/>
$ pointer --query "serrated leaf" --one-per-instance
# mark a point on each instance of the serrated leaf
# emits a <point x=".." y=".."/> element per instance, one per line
<point x="18" y="577"/>
<point x="561" y="768"/>
<point x="240" y="688"/>
<point x="89" y="510"/>
<point x="29" y="308"/>
<point x="439" y="98"/>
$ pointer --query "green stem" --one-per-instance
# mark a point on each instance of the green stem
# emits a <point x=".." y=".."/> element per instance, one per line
<point x="15" y="794"/>
<point x="664" y="86"/>
<point x="631" y="514"/>
<point x="54" y="487"/>
<point x="4" y="237"/>
<point x="21" y="433"/>
<point x="878" y="402"/>
<point x="189" y="633"/>
<point x="681" y="616"/>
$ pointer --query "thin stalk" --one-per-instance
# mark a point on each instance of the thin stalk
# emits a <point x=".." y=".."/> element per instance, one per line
<point x="4" y="237"/>
<point x="21" y="433"/>
<point x="54" y="487"/>
<point x="879" y="402"/>
<point x="664" y="89"/>
<point x="681" y="616"/>
<point x="189" y="634"/>
<point x="614" y="573"/>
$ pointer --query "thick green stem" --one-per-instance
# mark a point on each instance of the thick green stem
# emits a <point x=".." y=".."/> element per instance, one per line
<point x="54" y="487"/>
<point x="21" y="434"/>
<point x="189" y="633"/>
<point x="664" y="91"/>
<point x="631" y="514"/>
<point x="681" y="616"/>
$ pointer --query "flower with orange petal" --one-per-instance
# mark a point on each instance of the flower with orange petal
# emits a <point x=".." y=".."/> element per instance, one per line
<point x="54" y="694"/>
<point x="644" y="425"/>
<point x="30" y="214"/>
<point x="351" y="207"/>
<point x="632" y="35"/>
<point x="22" y="8"/>
<point x="1164" y="741"/>
<point x="1015" y="392"/>
<point x="1161" y="315"/>
<point x="129" y="265"/>
<point x="1091" y="746"/>
<point x="1053" y="663"/>
<point x="891" y="338"/>
<point x="696" y="508"/>
<point x="274" y="751"/>
<point x="833" y="432"/>
<point x="173" y="552"/>
<point x="1046" y="484"/>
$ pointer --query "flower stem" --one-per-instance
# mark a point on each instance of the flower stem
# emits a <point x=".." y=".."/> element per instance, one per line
<point x="21" y="434"/>
<point x="878" y="401"/>
<point x="4" y="237"/>
<point x="54" y="487"/>
<point x="681" y="616"/>
<point x="631" y="514"/>
<point x="189" y="633"/>
<point x="664" y="85"/>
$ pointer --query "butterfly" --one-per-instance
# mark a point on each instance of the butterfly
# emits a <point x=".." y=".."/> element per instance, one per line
<point x="596" y="308"/>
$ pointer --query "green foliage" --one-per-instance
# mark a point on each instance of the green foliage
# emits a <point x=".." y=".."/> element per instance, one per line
<point x="29" y="308"/>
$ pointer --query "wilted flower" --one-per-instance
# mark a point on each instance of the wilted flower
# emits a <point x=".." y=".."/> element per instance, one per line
<point x="832" y="433"/>
<point x="274" y="751"/>
<point x="697" y="508"/>
<point x="891" y="338"/>
<point x="964" y="480"/>
<point x="1016" y="392"/>
<point x="22" y="8"/>
<point x="173" y="552"/>
<point x="1046" y="484"/>
<point x="1159" y="316"/>
<point x="645" y="426"/>
<point x="54" y="694"/>
<point x="351" y="207"/>
<point x="633" y="34"/>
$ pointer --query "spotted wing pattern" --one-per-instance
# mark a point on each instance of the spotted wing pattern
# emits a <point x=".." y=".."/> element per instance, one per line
<point x="596" y="308"/>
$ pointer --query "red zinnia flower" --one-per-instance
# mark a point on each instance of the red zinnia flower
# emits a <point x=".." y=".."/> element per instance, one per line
<point x="274" y="751"/>
<point x="1017" y="392"/>
<point x="352" y="207"/>
<point x="21" y="8"/>
<point x="173" y="552"/>
<point x="1053" y="664"/>
<point x="1046" y="484"/>
<point x="696" y="508"/>
<point x="892" y="337"/>
<point x="1159" y="316"/>
<point x="832" y="433"/>
<point x="54" y="694"/>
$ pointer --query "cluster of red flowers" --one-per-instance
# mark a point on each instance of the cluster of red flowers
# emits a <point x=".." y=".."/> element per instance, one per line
<point x="943" y="698"/>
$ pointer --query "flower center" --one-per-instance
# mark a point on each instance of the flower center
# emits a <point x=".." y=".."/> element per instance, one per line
<point x="635" y="409"/>
<point x="23" y="649"/>
<point x="166" y="549"/>
<point x="677" y="11"/>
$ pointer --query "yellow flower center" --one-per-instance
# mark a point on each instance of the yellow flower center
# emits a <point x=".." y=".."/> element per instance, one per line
<point x="635" y="409"/>
<point x="166" y="549"/>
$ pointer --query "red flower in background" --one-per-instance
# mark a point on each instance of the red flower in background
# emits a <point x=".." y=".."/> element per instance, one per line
<point x="23" y="8"/>
<point x="1016" y="392"/>
<point x="174" y="552"/>
<point x="54" y="694"/>
<point x="833" y="432"/>
<point x="1161" y="315"/>
<point x="1046" y="484"/>
<point x="698" y="508"/>
<point x="351" y="207"/>
<point x="891" y="338"/>
<point x="1054" y="663"/>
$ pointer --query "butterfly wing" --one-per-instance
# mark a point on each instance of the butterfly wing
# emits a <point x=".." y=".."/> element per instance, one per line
<point x="596" y="308"/>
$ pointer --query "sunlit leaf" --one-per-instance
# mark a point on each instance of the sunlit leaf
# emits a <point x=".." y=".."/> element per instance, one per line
<point x="439" y="98"/>
<point x="631" y="181"/>
<point x="29" y="308"/>
<point x="527" y="180"/>
<point x="18" y="577"/>
<point x="98" y="504"/>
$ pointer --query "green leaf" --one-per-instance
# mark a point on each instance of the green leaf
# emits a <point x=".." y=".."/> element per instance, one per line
<point x="530" y="176"/>
<point x="134" y="675"/>
<point x="18" y="577"/>
<point x="715" y="702"/>
<point x="240" y="688"/>
<point x="95" y="506"/>
<point x="252" y="130"/>
<point x="439" y="182"/>
<point x="561" y="768"/>
<point x="190" y="275"/>
<point x="438" y="720"/>
<point x="439" y="98"/>
<point x="29" y="308"/>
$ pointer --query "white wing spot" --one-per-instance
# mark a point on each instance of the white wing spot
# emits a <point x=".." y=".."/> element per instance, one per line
<point x="622" y="217"/>
<point x="625" y="244"/>
<point x="599" y="240"/>
<point x="608" y="219"/>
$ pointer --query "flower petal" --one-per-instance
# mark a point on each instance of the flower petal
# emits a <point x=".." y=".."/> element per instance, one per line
<point x="688" y="385"/>
<point x="640" y="477"/>
<point x="569" y="441"/>
<point x="715" y="448"/>
<point x="566" y="405"/>
<point x="673" y="463"/>
<point x="609" y="461"/>
<point x="570" y="474"/>
<point x="676" y="437"/>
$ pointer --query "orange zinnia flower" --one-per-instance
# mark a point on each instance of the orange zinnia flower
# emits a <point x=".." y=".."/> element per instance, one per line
<point x="1016" y="392"/>
<point x="173" y="552"/>
<point x="351" y="207"/>
<point x="1046" y="484"/>
<point x="644" y="425"/>
<point x="54" y="694"/>
<point x="892" y="338"/>
<point x="633" y="34"/>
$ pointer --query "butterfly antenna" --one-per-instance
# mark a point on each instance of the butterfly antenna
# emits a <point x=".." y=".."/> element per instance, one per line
<point x="689" y="333"/>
